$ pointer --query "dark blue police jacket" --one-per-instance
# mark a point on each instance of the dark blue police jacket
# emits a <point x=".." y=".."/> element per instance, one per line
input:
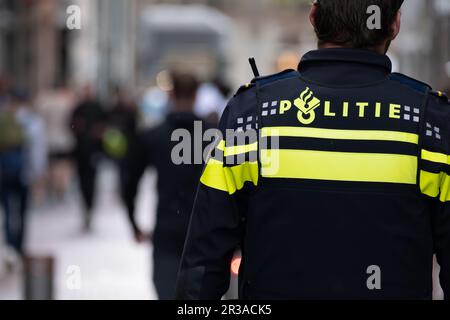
<point x="343" y="193"/>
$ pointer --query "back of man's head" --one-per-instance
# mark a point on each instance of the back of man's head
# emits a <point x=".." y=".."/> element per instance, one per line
<point x="344" y="23"/>
<point x="185" y="86"/>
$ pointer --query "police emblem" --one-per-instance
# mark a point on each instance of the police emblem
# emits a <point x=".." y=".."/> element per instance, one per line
<point x="307" y="104"/>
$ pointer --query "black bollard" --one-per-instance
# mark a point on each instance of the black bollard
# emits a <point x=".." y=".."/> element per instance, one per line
<point x="38" y="278"/>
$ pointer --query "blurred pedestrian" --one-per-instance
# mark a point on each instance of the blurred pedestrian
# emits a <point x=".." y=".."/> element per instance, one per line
<point x="88" y="125"/>
<point x="23" y="164"/>
<point x="212" y="100"/>
<point x="55" y="106"/>
<point x="121" y="132"/>
<point x="36" y="151"/>
<point x="176" y="185"/>
<point x="12" y="186"/>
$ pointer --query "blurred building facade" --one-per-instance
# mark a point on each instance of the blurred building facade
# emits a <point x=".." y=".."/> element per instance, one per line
<point x="441" y="44"/>
<point x="260" y="28"/>
<point x="104" y="49"/>
<point x="32" y="42"/>
<point x="423" y="47"/>
<point x="37" y="50"/>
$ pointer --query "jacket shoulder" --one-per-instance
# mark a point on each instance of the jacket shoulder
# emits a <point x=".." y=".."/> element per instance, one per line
<point x="412" y="83"/>
<point x="420" y="86"/>
<point x="244" y="88"/>
<point x="442" y="96"/>
<point x="270" y="79"/>
<point x="267" y="80"/>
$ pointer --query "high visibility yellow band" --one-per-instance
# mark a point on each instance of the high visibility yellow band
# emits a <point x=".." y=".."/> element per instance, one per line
<point x="222" y="145"/>
<point x="445" y="188"/>
<point x="237" y="150"/>
<point x="339" y="166"/>
<point x="430" y="183"/>
<point x="435" y="185"/>
<point x="229" y="179"/>
<point x="301" y="132"/>
<point x="435" y="157"/>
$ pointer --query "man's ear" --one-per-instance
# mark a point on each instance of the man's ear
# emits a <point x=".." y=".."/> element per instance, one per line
<point x="312" y="14"/>
<point x="396" y="25"/>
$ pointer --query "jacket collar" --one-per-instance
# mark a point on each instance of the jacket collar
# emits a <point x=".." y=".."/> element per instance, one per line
<point x="344" y="66"/>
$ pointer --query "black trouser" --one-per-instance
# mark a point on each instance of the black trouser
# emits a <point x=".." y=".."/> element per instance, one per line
<point x="165" y="271"/>
<point x="87" y="173"/>
<point x="14" y="199"/>
<point x="124" y="168"/>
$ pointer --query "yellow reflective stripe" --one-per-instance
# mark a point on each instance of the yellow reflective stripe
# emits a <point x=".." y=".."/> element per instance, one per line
<point x="435" y="184"/>
<point x="445" y="188"/>
<point x="233" y="151"/>
<point x="340" y="134"/>
<point x="229" y="179"/>
<point x="430" y="183"/>
<point x="435" y="157"/>
<point x="221" y="145"/>
<point x="339" y="166"/>
<point x="214" y="176"/>
<point x="237" y="150"/>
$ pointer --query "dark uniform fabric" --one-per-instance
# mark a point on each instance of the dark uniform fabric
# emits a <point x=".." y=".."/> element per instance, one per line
<point x="349" y="173"/>
<point x="176" y="185"/>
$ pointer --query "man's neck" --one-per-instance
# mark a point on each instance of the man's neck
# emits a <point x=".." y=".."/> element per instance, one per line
<point x="381" y="49"/>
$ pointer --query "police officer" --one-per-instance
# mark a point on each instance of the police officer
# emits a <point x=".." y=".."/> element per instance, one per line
<point x="348" y="197"/>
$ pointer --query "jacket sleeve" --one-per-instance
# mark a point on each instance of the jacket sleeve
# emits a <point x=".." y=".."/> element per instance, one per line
<point x="435" y="181"/>
<point x="217" y="220"/>
<point x="441" y="232"/>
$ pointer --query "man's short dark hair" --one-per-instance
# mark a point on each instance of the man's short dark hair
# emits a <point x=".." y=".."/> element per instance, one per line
<point x="344" y="22"/>
<point x="185" y="85"/>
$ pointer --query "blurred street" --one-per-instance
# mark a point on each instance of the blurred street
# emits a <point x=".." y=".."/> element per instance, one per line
<point x="112" y="265"/>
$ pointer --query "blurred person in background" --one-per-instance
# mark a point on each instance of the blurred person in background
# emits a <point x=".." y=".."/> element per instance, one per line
<point x="88" y="125"/>
<point x="55" y="106"/>
<point x="36" y="151"/>
<point x="4" y="147"/>
<point x="121" y="133"/>
<point x="225" y="90"/>
<point x="23" y="163"/>
<point x="212" y="100"/>
<point x="12" y="186"/>
<point x="177" y="184"/>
